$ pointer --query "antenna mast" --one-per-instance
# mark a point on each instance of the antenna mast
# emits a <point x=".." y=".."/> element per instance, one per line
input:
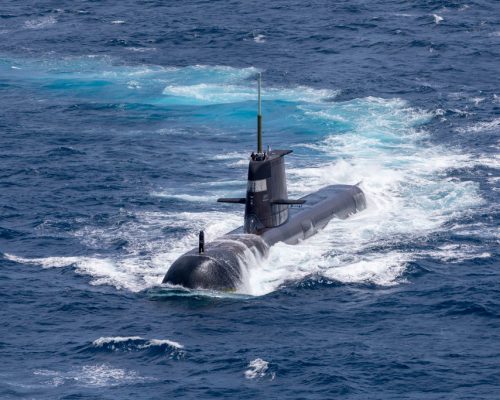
<point x="259" y="120"/>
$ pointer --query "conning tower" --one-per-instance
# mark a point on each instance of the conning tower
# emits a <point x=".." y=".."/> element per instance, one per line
<point x="266" y="201"/>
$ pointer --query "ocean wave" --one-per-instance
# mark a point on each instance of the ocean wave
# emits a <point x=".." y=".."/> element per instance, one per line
<point x="134" y="343"/>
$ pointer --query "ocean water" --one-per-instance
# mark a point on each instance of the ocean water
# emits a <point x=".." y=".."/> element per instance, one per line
<point x="122" y="122"/>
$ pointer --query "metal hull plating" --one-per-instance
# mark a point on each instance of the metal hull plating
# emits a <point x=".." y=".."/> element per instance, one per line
<point x="222" y="265"/>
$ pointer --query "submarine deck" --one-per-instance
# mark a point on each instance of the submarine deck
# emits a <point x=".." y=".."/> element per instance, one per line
<point x="304" y="221"/>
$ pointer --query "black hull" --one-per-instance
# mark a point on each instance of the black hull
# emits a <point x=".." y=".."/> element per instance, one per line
<point x="223" y="264"/>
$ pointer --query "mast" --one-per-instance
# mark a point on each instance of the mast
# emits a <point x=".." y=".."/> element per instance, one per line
<point x="259" y="119"/>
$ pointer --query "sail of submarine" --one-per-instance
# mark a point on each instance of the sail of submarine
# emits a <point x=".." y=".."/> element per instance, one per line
<point x="269" y="219"/>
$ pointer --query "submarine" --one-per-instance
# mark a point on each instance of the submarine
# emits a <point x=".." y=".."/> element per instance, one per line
<point x="270" y="217"/>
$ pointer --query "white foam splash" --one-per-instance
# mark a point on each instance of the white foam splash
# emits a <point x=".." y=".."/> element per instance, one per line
<point x="145" y="343"/>
<point x="383" y="270"/>
<point x="257" y="369"/>
<point x="123" y="274"/>
<point x="118" y="22"/>
<point x="40" y="23"/>
<point x="116" y="339"/>
<point x="477" y="100"/>
<point x="259" y="38"/>
<point x="161" y="342"/>
<point x="99" y="375"/>
<point x="483" y="126"/>
<point x="437" y="18"/>
<point x="457" y="253"/>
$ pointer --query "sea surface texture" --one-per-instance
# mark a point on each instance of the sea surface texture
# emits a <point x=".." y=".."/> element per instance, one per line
<point x="122" y="122"/>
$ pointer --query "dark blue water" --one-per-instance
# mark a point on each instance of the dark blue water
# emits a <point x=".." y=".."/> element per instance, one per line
<point x="122" y="122"/>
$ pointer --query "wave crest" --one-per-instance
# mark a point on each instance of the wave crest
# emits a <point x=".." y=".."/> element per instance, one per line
<point x="137" y="343"/>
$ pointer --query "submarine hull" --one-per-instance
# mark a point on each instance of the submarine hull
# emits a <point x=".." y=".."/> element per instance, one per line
<point x="223" y="265"/>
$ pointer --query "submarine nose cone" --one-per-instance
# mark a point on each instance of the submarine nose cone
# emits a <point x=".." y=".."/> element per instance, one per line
<point x="204" y="271"/>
